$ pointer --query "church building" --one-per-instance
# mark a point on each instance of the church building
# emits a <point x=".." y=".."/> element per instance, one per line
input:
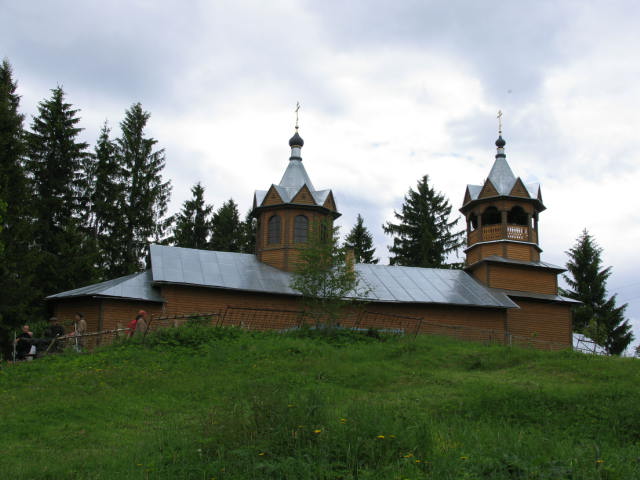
<point x="505" y="293"/>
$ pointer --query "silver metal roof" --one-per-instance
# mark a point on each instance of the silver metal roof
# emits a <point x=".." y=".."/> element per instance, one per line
<point x="137" y="286"/>
<point x="502" y="178"/>
<point x="294" y="178"/>
<point x="537" y="296"/>
<point x="537" y="264"/>
<point x="386" y="283"/>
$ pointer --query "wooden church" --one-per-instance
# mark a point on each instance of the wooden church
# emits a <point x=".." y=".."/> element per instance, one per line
<point x="505" y="293"/>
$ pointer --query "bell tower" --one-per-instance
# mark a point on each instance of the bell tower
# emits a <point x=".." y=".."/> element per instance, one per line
<point x="502" y="214"/>
<point x="287" y="211"/>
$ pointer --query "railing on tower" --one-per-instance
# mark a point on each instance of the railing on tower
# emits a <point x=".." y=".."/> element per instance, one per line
<point x="497" y="231"/>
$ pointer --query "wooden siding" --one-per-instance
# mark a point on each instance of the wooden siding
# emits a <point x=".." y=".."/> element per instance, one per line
<point x="304" y="196"/>
<point x="272" y="197"/>
<point x="488" y="190"/>
<point x="519" y="190"/>
<point x="330" y="203"/>
<point x="518" y="251"/>
<point x="65" y="311"/>
<point x="523" y="279"/>
<point x="540" y="321"/>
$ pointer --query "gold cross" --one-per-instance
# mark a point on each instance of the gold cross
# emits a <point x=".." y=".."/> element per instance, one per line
<point x="297" y="108"/>
<point x="499" y="117"/>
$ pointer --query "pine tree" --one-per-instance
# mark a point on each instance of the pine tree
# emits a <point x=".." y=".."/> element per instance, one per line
<point x="423" y="236"/>
<point x="249" y="230"/>
<point x="362" y="242"/>
<point x="107" y="201"/>
<point x="17" y="257"/>
<point x="227" y="230"/>
<point x="146" y="195"/>
<point x="598" y="316"/>
<point x="192" y="225"/>
<point x="55" y="165"/>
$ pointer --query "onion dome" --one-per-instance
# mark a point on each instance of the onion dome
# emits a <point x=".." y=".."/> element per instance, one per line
<point x="500" y="143"/>
<point x="296" y="140"/>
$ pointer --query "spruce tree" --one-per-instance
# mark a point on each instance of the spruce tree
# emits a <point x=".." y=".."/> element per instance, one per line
<point x="598" y="316"/>
<point x="423" y="236"/>
<point x="55" y="165"/>
<point x="362" y="242"/>
<point x="249" y="230"/>
<point x="17" y="262"/>
<point x="227" y="232"/>
<point x="192" y="225"/>
<point x="146" y="195"/>
<point x="107" y="201"/>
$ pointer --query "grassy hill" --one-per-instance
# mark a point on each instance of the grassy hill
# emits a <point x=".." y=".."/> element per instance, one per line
<point x="202" y="403"/>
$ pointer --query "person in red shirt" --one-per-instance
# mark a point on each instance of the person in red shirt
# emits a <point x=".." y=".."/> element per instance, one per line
<point x="138" y="324"/>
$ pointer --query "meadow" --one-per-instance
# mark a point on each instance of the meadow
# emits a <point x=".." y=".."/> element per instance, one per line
<point x="203" y="403"/>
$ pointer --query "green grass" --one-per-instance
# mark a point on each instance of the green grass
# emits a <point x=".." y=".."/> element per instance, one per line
<point x="200" y="403"/>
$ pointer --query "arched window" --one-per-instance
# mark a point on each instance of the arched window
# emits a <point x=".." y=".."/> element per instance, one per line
<point x="517" y="216"/>
<point x="274" y="230"/>
<point x="300" y="229"/>
<point x="490" y="216"/>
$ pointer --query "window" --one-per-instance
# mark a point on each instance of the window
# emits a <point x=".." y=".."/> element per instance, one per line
<point x="300" y="229"/>
<point x="274" y="230"/>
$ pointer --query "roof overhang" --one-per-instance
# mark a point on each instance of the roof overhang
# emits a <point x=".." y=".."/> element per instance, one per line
<point x="479" y="201"/>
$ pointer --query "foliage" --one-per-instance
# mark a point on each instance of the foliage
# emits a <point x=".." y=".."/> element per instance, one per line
<point x="361" y="241"/>
<point x="107" y="200"/>
<point x="276" y="407"/>
<point x="55" y="165"/>
<point x="192" y="225"/>
<point x="17" y="261"/>
<point x="325" y="276"/>
<point x="146" y="194"/>
<point x="227" y="230"/>
<point x="249" y="230"/>
<point x="423" y="236"/>
<point x="598" y="317"/>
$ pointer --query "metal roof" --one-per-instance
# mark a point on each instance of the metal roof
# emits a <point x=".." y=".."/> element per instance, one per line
<point x="537" y="264"/>
<point x="536" y="296"/>
<point x="137" y="286"/>
<point x="385" y="283"/>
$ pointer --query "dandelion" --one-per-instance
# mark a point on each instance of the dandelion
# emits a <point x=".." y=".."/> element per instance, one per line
<point x="291" y="405"/>
<point x="261" y="454"/>
<point x="464" y="458"/>
<point x="317" y="431"/>
<point x="599" y="461"/>
<point x="418" y="461"/>
<point x="408" y="455"/>
<point x="380" y="437"/>
<point x="392" y="436"/>
<point x="343" y="420"/>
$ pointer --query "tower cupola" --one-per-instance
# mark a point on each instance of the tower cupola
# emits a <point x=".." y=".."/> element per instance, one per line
<point x="288" y="210"/>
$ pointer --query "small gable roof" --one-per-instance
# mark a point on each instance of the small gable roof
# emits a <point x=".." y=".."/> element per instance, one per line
<point x="137" y="286"/>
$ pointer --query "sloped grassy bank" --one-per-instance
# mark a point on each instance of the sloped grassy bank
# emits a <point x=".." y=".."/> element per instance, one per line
<point x="206" y="403"/>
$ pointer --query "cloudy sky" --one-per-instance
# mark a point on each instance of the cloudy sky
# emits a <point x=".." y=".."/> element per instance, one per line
<point x="390" y="91"/>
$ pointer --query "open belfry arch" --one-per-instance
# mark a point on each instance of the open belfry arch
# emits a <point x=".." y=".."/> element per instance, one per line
<point x="287" y="211"/>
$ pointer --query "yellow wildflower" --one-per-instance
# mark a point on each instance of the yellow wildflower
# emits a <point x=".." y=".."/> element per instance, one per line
<point x="380" y="436"/>
<point x="317" y="431"/>
<point x="599" y="461"/>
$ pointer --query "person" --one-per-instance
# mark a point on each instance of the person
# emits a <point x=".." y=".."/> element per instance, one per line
<point x="139" y="324"/>
<point x="25" y="349"/>
<point x="52" y="331"/>
<point x="80" y="325"/>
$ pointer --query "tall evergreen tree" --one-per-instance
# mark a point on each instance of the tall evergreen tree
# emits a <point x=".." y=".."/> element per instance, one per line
<point x="227" y="230"/>
<point x="17" y="262"/>
<point x="192" y="225"/>
<point x="598" y="316"/>
<point x="423" y="236"/>
<point x="361" y="241"/>
<point x="249" y="228"/>
<point x="146" y="195"/>
<point x="107" y="202"/>
<point x="55" y="165"/>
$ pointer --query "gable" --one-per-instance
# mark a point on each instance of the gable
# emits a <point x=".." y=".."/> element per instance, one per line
<point x="304" y="196"/>
<point x="467" y="197"/>
<point x="519" y="190"/>
<point x="329" y="203"/>
<point x="272" y="197"/>
<point x="488" y="190"/>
